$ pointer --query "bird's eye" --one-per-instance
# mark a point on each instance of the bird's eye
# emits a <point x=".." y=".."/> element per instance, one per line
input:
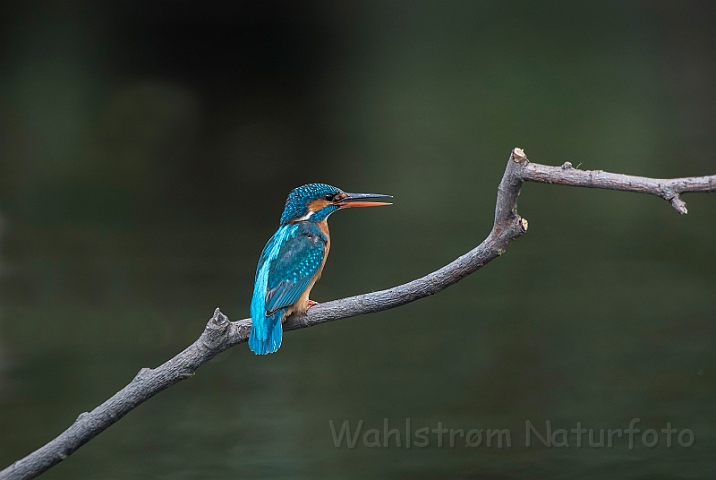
<point x="329" y="196"/>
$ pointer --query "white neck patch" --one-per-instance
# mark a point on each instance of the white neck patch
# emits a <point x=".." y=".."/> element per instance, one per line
<point x="306" y="216"/>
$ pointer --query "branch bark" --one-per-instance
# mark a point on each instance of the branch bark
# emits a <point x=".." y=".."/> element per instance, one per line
<point x="221" y="334"/>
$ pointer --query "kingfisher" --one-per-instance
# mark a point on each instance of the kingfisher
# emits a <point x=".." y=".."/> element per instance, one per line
<point x="293" y="259"/>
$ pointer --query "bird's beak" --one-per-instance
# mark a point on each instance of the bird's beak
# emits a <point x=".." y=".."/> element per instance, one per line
<point x="353" y="200"/>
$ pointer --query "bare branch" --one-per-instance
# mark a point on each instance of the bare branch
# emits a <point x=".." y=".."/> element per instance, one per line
<point x="668" y="189"/>
<point x="221" y="334"/>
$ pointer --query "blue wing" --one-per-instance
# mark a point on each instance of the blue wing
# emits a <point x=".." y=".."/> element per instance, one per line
<point x="266" y="330"/>
<point x="288" y="263"/>
<point x="299" y="260"/>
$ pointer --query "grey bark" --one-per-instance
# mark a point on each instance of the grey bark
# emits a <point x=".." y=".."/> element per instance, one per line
<point x="221" y="334"/>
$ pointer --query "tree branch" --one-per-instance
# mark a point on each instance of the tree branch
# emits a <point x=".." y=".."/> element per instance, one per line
<point x="668" y="189"/>
<point x="221" y="334"/>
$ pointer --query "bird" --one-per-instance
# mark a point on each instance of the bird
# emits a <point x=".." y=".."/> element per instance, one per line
<point x="293" y="259"/>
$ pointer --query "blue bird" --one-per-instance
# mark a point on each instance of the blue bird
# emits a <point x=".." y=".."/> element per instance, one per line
<point x="293" y="259"/>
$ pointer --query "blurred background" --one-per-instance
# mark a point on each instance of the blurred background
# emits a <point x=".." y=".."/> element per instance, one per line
<point x="146" y="150"/>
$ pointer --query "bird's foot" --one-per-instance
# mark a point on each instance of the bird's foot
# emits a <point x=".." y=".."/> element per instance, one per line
<point x="311" y="303"/>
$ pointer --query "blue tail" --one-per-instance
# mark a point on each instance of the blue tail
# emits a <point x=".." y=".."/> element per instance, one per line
<point x="272" y="339"/>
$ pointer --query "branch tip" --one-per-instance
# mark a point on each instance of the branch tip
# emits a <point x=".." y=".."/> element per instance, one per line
<point x="219" y="318"/>
<point x="518" y="155"/>
<point x="678" y="204"/>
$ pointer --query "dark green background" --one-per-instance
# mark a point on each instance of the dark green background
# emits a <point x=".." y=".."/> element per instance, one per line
<point x="146" y="149"/>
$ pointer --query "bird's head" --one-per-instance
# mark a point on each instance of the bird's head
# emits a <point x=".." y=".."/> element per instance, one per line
<point x="315" y="201"/>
